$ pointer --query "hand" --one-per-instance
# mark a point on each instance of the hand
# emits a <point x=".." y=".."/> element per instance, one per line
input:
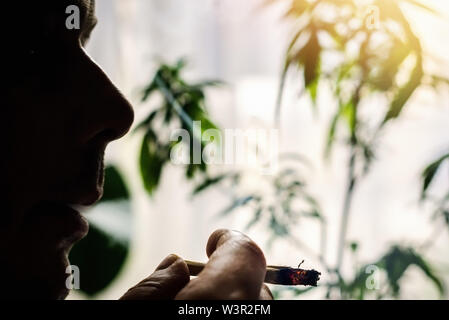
<point x="235" y="270"/>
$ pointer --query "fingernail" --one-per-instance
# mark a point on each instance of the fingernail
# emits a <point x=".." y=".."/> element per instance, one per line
<point x="167" y="262"/>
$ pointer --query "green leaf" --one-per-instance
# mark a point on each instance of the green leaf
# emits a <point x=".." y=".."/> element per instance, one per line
<point x="276" y="292"/>
<point x="183" y="103"/>
<point x="239" y="202"/>
<point x="151" y="164"/>
<point x="348" y="110"/>
<point x="357" y="287"/>
<point x="313" y="90"/>
<point x="354" y="246"/>
<point x="147" y="122"/>
<point x="395" y="263"/>
<point x="180" y="64"/>
<point x="99" y="257"/>
<point x="149" y="90"/>
<point x="390" y="10"/>
<point x="297" y="8"/>
<point x="405" y="92"/>
<point x="208" y="183"/>
<point x="331" y="133"/>
<point x="315" y="214"/>
<point x="292" y="43"/>
<point x="255" y="219"/>
<point x="310" y="57"/>
<point x="114" y="186"/>
<point x="390" y="66"/>
<point x="207" y="83"/>
<point x="279" y="230"/>
<point x="329" y="28"/>
<point x="430" y="172"/>
<point x="425" y="267"/>
<point x="445" y="214"/>
<point x="436" y="80"/>
<point x="398" y="260"/>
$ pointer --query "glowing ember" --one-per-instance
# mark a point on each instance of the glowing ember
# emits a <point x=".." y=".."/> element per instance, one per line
<point x="294" y="277"/>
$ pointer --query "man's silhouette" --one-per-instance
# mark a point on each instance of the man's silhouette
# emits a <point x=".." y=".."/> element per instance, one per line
<point x="59" y="112"/>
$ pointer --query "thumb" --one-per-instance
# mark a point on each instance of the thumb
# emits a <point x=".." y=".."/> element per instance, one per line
<point x="168" y="279"/>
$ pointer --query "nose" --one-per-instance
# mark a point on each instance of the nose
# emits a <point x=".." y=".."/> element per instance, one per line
<point x="106" y="113"/>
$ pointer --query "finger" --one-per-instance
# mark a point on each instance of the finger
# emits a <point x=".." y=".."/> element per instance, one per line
<point x="169" y="278"/>
<point x="235" y="270"/>
<point x="265" y="293"/>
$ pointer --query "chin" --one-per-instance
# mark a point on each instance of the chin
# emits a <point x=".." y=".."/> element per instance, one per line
<point x="38" y="260"/>
<point x="60" y="283"/>
<point x="33" y="278"/>
<point x="52" y="281"/>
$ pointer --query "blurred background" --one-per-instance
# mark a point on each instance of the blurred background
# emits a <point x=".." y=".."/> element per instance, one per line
<point x="245" y="45"/>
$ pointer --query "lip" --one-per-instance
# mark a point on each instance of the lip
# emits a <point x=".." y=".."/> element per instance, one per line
<point x="91" y="195"/>
<point x="79" y="225"/>
<point x="61" y="224"/>
<point x="92" y="174"/>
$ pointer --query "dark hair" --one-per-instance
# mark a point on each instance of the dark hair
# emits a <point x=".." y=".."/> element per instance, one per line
<point x="26" y="26"/>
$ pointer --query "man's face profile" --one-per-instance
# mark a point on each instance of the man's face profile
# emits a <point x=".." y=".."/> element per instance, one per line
<point x="59" y="113"/>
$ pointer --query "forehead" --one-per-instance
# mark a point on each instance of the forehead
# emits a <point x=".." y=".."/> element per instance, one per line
<point x="87" y="7"/>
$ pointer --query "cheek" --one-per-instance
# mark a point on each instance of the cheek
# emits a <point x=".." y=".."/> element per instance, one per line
<point x="43" y="146"/>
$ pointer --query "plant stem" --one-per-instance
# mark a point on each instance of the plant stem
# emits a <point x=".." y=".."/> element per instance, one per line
<point x="351" y="182"/>
<point x="439" y="228"/>
<point x="189" y="122"/>
<point x="277" y="112"/>
<point x="323" y="243"/>
<point x="174" y="103"/>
